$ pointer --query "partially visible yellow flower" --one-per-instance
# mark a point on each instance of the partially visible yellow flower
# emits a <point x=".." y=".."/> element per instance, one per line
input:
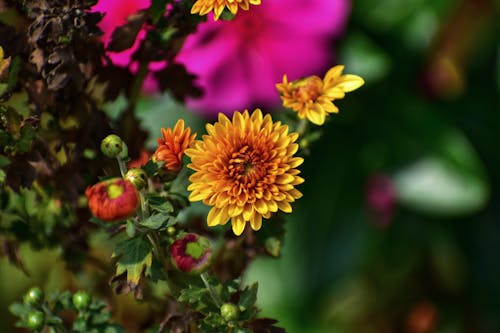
<point x="312" y="97"/>
<point x="245" y="169"/>
<point x="172" y="146"/>
<point x="4" y="64"/>
<point x="204" y="7"/>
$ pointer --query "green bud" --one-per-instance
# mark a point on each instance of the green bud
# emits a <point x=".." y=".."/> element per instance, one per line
<point x="137" y="177"/>
<point x="81" y="300"/>
<point x="34" y="297"/>
<point x="229" y="312"/>
<point x="35" y="320"/>
<point x="113" y="146"/>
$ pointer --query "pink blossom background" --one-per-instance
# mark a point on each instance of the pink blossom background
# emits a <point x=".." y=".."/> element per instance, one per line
<point x="238" y="62"/>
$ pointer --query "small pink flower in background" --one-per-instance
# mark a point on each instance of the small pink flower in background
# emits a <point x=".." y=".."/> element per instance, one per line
<point x="380" y="197"/>
<point x="239" y="62"/>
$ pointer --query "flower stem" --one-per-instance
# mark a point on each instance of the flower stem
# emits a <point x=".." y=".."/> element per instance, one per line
<point x="122" y="165"/>
<point x="144" y="206"/>
<point x="301" y="127"/>
<point x="211" y="290"/>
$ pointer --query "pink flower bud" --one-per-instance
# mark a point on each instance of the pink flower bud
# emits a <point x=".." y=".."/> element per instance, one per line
<point x="191" y="253"/>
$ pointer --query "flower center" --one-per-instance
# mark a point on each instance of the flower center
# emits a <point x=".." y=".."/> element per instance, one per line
<point x="114" y="191"/>
<point x="246" y="165"/>
<point x="308" y="89"/>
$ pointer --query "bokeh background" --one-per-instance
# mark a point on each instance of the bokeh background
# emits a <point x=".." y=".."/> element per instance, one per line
<point x="399" y="226"/>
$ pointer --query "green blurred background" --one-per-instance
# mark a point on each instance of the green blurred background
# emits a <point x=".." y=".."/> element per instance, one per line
<point x="428" y="122"/>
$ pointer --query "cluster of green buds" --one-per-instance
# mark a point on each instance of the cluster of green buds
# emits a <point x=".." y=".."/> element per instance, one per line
<point x="40" y="314"/>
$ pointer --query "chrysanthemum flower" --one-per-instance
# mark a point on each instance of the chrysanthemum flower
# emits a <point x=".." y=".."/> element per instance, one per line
<point x="191" y="253"/>
<point x="313" y="98"/>
<point x="245" y="169"/>
<point x="112" y="199"/>
<point x="172" y="146"/>
<point x="204" y="7"/>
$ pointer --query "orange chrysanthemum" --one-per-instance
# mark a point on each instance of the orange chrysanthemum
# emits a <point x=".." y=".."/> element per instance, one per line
<point x="171" y="148"/>
<point x="245" y="169"/>
<point x="204" y="7"/>
<point x="312" y="97"/>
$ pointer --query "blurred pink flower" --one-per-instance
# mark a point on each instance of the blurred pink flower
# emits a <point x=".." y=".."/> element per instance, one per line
<point x="239" y="62"/>
<point x="380" y="196"/>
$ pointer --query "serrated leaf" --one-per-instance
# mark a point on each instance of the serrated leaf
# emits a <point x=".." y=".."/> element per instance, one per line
<point x="160" y="204"/>
<point x="134" y="257"/>
<point x="196" y="297"/>
<point x="158" y="221"/>
<point x="248" y="297"/>
<point x="215" y="320"/>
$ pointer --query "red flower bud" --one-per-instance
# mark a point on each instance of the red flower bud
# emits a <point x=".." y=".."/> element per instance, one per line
<point x="191" y="253"/>
<point x="113" y="199"/>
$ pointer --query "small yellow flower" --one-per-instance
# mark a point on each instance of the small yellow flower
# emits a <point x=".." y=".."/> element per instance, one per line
<point x="312" y="97"/>
<point x="245" y="169"/>
<point x="172" y="145"/>
<point x="204" y="7"/>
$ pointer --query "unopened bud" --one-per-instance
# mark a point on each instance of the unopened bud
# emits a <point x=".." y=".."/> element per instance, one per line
<point x="137" y="177"/>
<point x="113" y="146"/>
<point x="191" y="253"/>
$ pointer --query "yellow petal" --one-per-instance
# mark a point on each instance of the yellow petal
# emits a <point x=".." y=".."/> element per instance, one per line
<point x="256" y="222"/>
<point x="238" y="225"/>
<point x="350" y="82"/>
<point x="214" y="217"/>
<point x="333" y="74"/>
<point x="285" y="206"/>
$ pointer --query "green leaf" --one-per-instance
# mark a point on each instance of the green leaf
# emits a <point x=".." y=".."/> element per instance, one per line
<point x="214" y="320"/>
<point x="130" y="228"/>
<point x="160" y="204"/>
<point x="134" y="256"/>
<point x="18" y="309"/>
<point x="196" y="297"/>
<point x="158" y="221"/>
<point x="248" y="297"/>
<point x="30" y="202"/>
<point x="151" y="167"/>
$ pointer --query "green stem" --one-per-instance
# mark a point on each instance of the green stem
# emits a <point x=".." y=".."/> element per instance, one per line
<point x="144" y="206"/>
<point x="211" y="290"/>
<point x="123" y="166"/>
<point x="302" y="126"/>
